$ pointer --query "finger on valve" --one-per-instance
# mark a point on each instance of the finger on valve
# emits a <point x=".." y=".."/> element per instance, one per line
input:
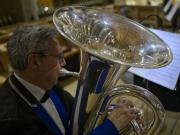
<point x="124" y="112"/>
<point x="124" y="102"/>
<point x="139" y="116"/>
<point x="121" y="117"/>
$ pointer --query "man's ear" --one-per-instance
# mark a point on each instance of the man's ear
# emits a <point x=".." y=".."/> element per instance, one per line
<point x="33" y="61"/>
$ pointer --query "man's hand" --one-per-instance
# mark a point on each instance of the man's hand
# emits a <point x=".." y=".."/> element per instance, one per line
<point x="123" y="113"/>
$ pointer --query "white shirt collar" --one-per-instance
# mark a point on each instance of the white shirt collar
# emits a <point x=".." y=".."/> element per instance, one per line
<point x="36" y="91"/>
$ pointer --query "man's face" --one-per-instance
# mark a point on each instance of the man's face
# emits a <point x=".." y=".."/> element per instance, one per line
<point x="50" y="65"/>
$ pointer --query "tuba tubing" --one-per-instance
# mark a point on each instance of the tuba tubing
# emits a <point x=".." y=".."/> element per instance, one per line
<point x="64" y="72"/>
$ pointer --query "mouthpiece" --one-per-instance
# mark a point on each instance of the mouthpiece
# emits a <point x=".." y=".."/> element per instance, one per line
<point x="64" y="72"/>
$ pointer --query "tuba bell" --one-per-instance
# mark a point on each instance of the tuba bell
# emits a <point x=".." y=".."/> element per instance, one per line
<point x="110" y="44"/>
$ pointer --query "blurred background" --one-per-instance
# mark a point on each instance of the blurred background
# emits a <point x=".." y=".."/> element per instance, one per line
<point x="16" y="11"/>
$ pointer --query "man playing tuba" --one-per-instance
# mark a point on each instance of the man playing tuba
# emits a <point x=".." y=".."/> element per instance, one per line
<point x="31" y="100"/>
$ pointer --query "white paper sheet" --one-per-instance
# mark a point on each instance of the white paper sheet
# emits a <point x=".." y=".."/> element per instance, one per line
<point x="166" y="76"/>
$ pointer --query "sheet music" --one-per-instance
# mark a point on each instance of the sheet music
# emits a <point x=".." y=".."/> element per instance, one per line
<point x="166" y="76"/>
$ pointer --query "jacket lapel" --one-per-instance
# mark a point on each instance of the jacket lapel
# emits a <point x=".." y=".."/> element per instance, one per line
<point x="21" y="90"/>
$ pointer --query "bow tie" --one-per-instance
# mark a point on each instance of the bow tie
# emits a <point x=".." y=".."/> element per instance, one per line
<point x="45" y="97"/>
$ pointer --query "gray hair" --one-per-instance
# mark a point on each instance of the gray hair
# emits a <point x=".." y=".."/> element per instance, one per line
<point x="26" y="40"/>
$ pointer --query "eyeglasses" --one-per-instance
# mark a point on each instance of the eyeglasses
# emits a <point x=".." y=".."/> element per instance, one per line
<point x="59" y="56"/>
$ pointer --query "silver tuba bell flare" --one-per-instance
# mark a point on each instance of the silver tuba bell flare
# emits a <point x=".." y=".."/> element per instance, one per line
<point x="110" y="44"/>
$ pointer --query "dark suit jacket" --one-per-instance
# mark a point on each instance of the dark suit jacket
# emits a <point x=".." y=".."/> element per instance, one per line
<point x="16" y="117"/>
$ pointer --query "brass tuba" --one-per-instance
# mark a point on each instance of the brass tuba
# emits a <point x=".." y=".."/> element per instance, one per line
<point x="110" y="44"/>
